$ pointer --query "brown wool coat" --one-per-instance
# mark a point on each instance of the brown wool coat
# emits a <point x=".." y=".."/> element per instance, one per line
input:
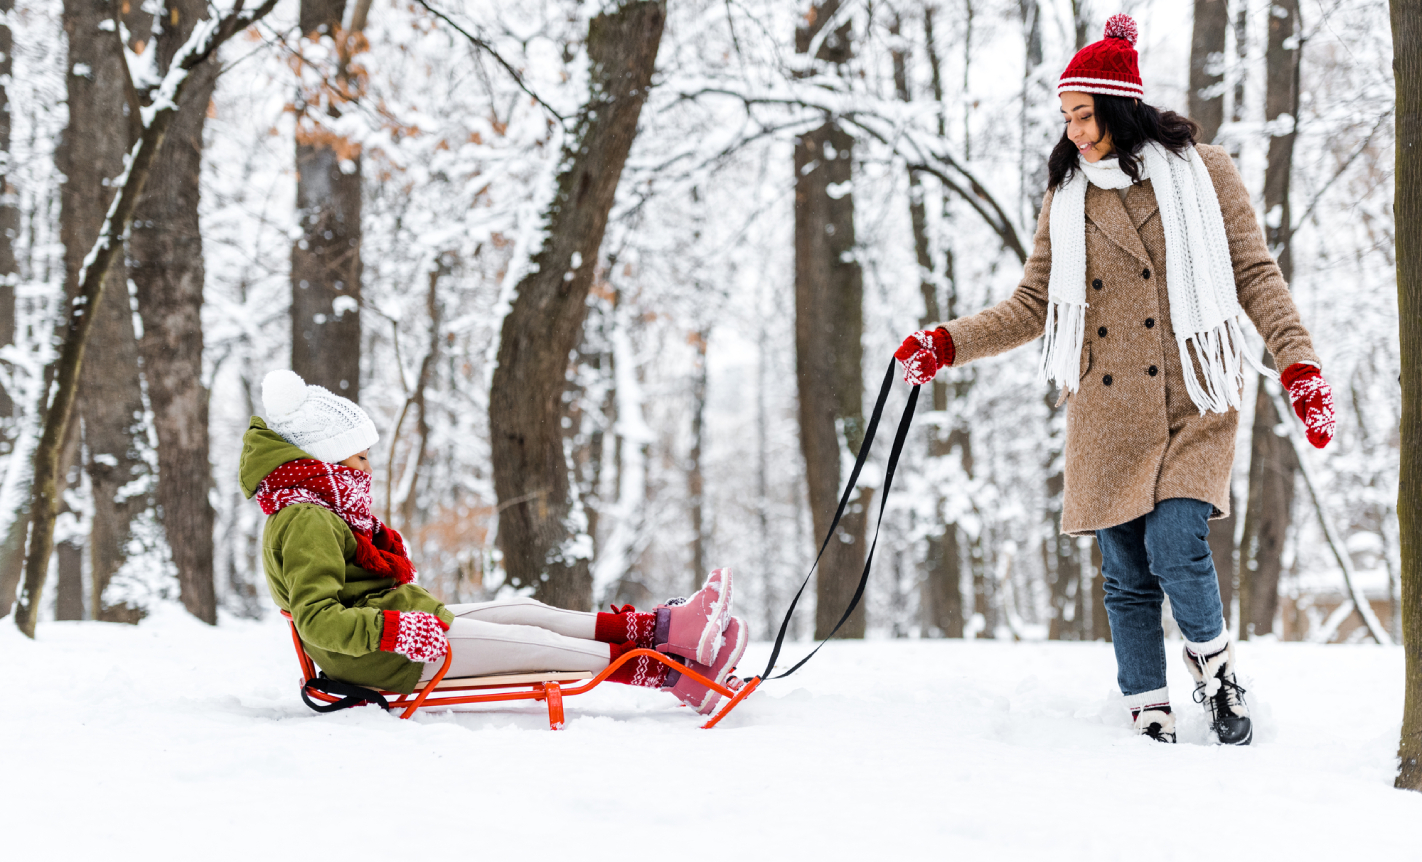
<point x="1134" y="437"/>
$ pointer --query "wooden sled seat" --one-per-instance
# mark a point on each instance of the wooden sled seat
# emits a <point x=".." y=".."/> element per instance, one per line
<point x="550" y="686"/>
<point x="505" y="680"/>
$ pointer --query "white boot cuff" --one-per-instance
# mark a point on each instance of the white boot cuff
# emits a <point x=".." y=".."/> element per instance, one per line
<point x="1211" y="646"/>
<point x="1148" y="699"/>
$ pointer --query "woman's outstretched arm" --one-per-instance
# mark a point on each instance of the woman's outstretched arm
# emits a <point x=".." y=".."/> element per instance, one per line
<point x="1016" y="320"/>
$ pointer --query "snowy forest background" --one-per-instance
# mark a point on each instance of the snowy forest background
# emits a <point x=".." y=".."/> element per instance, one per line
<point x="681" y="423"/>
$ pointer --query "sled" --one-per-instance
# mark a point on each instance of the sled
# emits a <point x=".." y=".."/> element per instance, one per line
<point x="550" y="687"/>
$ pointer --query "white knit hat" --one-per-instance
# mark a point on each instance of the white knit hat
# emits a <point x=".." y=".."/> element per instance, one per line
<point x="313" y="418"/>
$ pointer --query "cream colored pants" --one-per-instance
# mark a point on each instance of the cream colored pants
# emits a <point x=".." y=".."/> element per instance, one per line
<point x="520" y="636"/>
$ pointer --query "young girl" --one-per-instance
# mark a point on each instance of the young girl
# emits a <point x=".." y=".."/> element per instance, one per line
<point x="349" y="585"/>
<point x="1147" y="251"/>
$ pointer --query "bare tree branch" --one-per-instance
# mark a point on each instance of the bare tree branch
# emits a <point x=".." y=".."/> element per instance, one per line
<point x="923" y="151"/>
<point x="489" y="49"/>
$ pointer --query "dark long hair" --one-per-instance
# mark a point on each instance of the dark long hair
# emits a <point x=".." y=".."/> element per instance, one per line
<point x="1131" y="124"/>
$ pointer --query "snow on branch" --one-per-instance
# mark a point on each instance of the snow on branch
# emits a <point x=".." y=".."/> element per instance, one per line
<point x="888" y="122"/>
<point x="484" y="46"/>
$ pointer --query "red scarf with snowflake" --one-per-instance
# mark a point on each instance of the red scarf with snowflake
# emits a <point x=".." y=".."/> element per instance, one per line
<point x="345" y="491"/>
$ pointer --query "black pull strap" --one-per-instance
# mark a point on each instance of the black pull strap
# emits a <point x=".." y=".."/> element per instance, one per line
<point x="889" y="468"/>
<point x="351" y="695"/>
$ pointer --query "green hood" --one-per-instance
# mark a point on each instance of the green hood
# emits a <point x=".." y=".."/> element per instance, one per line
<point x="263" y="450"/>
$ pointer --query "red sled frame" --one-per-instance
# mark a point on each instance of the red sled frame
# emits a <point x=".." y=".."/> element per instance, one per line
<point x="549" y="687"/>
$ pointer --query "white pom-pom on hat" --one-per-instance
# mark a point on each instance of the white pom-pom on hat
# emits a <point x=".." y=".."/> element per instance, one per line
<point x="282" y="392"/>
<point x="1122" y="26"/>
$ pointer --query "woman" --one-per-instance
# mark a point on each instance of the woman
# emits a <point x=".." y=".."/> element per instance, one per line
<point x="1146" y="252"/>
<point x="349" y="585"/>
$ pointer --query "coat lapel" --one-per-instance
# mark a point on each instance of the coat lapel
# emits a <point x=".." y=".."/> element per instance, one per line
<point x="1141" y="203"/>
<point x="1104" y="208"/>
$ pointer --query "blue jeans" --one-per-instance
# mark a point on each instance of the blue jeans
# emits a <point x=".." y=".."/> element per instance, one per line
<point x="1162" y="553"/>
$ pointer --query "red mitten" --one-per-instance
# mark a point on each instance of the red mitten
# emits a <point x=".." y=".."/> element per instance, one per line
<point x="923" y="353"/>
<point x="416" y="635"/>
<point x="1312" y="398"/>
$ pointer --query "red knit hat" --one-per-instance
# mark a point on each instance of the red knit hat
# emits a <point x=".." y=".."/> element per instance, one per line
<point x="1109" y="66"/>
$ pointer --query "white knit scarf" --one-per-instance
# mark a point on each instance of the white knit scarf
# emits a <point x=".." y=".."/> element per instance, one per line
<point x="1204" y="305"/>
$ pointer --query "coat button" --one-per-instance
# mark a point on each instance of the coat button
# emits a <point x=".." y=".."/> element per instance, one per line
<point x="1152" y="371"/>
<point x="1145" y="273"/>
<point x="1096" y="283"/>
<point x="1101" y="333"/>
<point x="1106" y="380"/>
<point x="1150" y="323"/>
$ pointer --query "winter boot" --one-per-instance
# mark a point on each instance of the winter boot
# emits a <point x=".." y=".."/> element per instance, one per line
<point x="1151" y="715"/>
<point x="1212" y="666"/>
<point x="692" y="627"/>
<point x="698" y="696"/>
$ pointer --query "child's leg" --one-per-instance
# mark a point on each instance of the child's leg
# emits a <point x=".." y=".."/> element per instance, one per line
<point x="522" y="611"/>
<point x="483" y="648"/>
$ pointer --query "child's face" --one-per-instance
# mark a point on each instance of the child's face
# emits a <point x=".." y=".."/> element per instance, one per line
<point x="359" y="461"/>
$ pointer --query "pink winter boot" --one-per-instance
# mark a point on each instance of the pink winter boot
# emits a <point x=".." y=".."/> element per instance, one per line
<point x="698" y="696"/>
<point x="692" y="627"/>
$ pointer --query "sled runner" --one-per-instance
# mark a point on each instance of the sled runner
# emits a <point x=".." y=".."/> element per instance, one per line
<point x="324" y="694"/>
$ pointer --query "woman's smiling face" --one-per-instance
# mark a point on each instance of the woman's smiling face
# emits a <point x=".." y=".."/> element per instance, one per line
<point x="1079" y="114"/>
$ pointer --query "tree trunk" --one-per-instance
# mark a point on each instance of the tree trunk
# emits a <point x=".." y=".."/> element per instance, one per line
<point x="695" y="480"/>
<point x="984" y="592"/>
<point x="591" y="421"/>
<point x="542" y="548"/>
<point x="12" y="551"/>
<point x="9" y="223"/>
<point x="1028" y="163"/>
<point x="1222" y="549"/>
<point x="434" y="310"/>
<point x="165" y="252"/>
<point x="325" y="261"/>
<point x="941" y="599"/>
<point x="1081" y="23"/>
<point x="1241" y="57"/>
<point x="1266" y="520"/>
<point x="1271" y="460"/>
<point x="1059" y="552"/>
<point x="69" y="584"/>
<point x="769" y="551"/>
<point x="1100" y="620"/>
<point x="83" y="310"/>
<point x="1207" y="46"/>
<point x="110" y="397"/>
<point x="829" y="327"/>
<point x="1407" y="208"/>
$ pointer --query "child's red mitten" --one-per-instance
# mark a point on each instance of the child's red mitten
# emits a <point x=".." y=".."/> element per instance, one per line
<point x="416" y="635"/>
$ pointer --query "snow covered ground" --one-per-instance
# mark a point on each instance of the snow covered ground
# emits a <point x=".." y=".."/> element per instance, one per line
<point x="172" y="740"/>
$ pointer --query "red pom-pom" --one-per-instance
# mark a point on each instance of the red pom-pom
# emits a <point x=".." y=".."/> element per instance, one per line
<point x="1121" y="26"/>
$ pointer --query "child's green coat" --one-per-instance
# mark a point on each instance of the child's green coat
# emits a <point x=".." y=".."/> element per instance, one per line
<point x="308" y="553"/>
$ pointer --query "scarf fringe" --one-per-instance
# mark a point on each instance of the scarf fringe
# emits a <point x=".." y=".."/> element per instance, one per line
<point x="1061" y="348"/>
<point x="1222" y="357"/>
